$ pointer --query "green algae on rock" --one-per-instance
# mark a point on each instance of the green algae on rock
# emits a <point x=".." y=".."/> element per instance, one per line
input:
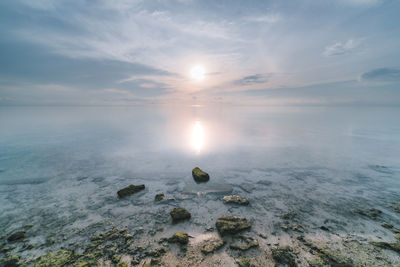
<point x="10" y="261"/>
<point x="179" y="237"/>
<point x="284" y="255"/>
<point x="244" y="262"/>
<point x="231" y="224"/>
<point x="395" y="246"/>
<point x="159" y="197"/>
<point x="200" y="176"/>
<point x="244" y="242"/>
<point x="212" y="245"/>
<point x="129" y="190"/>
<point x="180" y="214"/>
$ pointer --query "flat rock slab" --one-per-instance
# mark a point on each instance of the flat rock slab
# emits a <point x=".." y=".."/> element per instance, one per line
<point x="231" y="224"/>
<point x="235" y="199"/>
<point x="200" y="176"/>
<point x="211" y="245"/>
<point x="244" y="242"/>
<point x="209" y="188"/>
<point x="129" y="190"/>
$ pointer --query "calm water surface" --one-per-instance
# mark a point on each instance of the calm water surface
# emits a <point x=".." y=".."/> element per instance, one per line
<point x="60" y="167"/>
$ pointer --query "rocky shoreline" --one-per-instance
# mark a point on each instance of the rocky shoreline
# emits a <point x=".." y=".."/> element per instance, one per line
<point x="231" y="241"/>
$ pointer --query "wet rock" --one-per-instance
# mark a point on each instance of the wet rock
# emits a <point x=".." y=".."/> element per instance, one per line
<point x="316" y="262"/>
<point x="231" y="224"/>
<point x="324" y="228"/>
<point x="387" y="225"/>
<point x="158" y="252"/>
<point x="212" y="245"/>
<point x="244" y="242"/>
<point x="155" y="261"/>
<point x="27" y="226"/>
<point x="371" y="213"/>
<point x="397" y="236"/>
<point x="58" y="258"/>
<point x="200" y="176"/>
<point x="235" y="199"/>
<point x="288" y="215"/>
<point x="179" y="237"/>
<point x="244" y="262"/>
<point x="159" y="197"/>
<point x="179" y="214"/>
<point x="16" y="236"/>
<point x="284" y="255"/>
<point x="395" y="246"/>
<point x="131" y="189"/>
<point x="10" y="261"/>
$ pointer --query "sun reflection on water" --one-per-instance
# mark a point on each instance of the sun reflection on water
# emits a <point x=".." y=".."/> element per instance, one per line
<point x="198" y="137"/>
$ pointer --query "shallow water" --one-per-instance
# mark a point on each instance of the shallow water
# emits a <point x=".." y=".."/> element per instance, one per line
<point x="60" y="168"/>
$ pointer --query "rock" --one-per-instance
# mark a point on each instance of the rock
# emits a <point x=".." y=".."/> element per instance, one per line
<point x="130" y="190"/>
<point x="387" y="225"/>
<point x="212" y="245"/>
<point x="235" y="199"/>
<point x="324" y="228"/>
<point x="179" y="237"/>
<point x="284" y="255"/>
<point x="159" y="197"/>
<point x="245" y="242"/>
<point x="200" y="176"/>
<point x="16" y="236"/>
<point x="179" y="214"/>
<point x="10" y="261"/>
<point x="372" y="213"/>
<point x="244" y="262"/>
<point x="392" y="246"/>
<point x="231" y="224"/>
<point x="28" y="225"/>
<point x="157" y="252"/>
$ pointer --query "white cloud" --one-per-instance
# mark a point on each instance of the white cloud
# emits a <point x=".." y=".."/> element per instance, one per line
<point x="341" y="48"/>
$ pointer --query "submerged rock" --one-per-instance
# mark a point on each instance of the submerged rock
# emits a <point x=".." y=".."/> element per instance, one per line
<point x="200" y="176"/>
<point x="179" y="214"/>
<point x="235" y="199"/>
<point x="386" y="245"/>
<point x="231" y="224"/>
<point x="284" y="255"/>
<point x="245" y="242"/>
<point x="372" y="213"/>
<point x="212" y="245"/>
<point x="10" y="261"/>
<point x="244" y="262"/>
<point x="129" y="190"/>
<point x="179" y="237"/>
<point x="387" y="225"/>
<point x="16" y="236"/>
<point x="159" y="197"/>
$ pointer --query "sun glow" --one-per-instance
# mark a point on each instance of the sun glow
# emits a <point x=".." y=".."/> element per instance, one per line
<point x="197" y="73"/>
<point x="197" y="137"/>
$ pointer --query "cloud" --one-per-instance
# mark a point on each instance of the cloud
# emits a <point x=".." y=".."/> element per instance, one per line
<point x="382" y="74"/>
<point x="253" y="79"/>
<point x="342" y="48"/>
<point x="268" y="18"/>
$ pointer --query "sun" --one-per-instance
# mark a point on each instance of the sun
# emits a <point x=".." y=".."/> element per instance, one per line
<point x="197" y="73"/>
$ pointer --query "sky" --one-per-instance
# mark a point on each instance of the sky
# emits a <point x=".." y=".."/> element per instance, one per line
<point x="271" y="52"/>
